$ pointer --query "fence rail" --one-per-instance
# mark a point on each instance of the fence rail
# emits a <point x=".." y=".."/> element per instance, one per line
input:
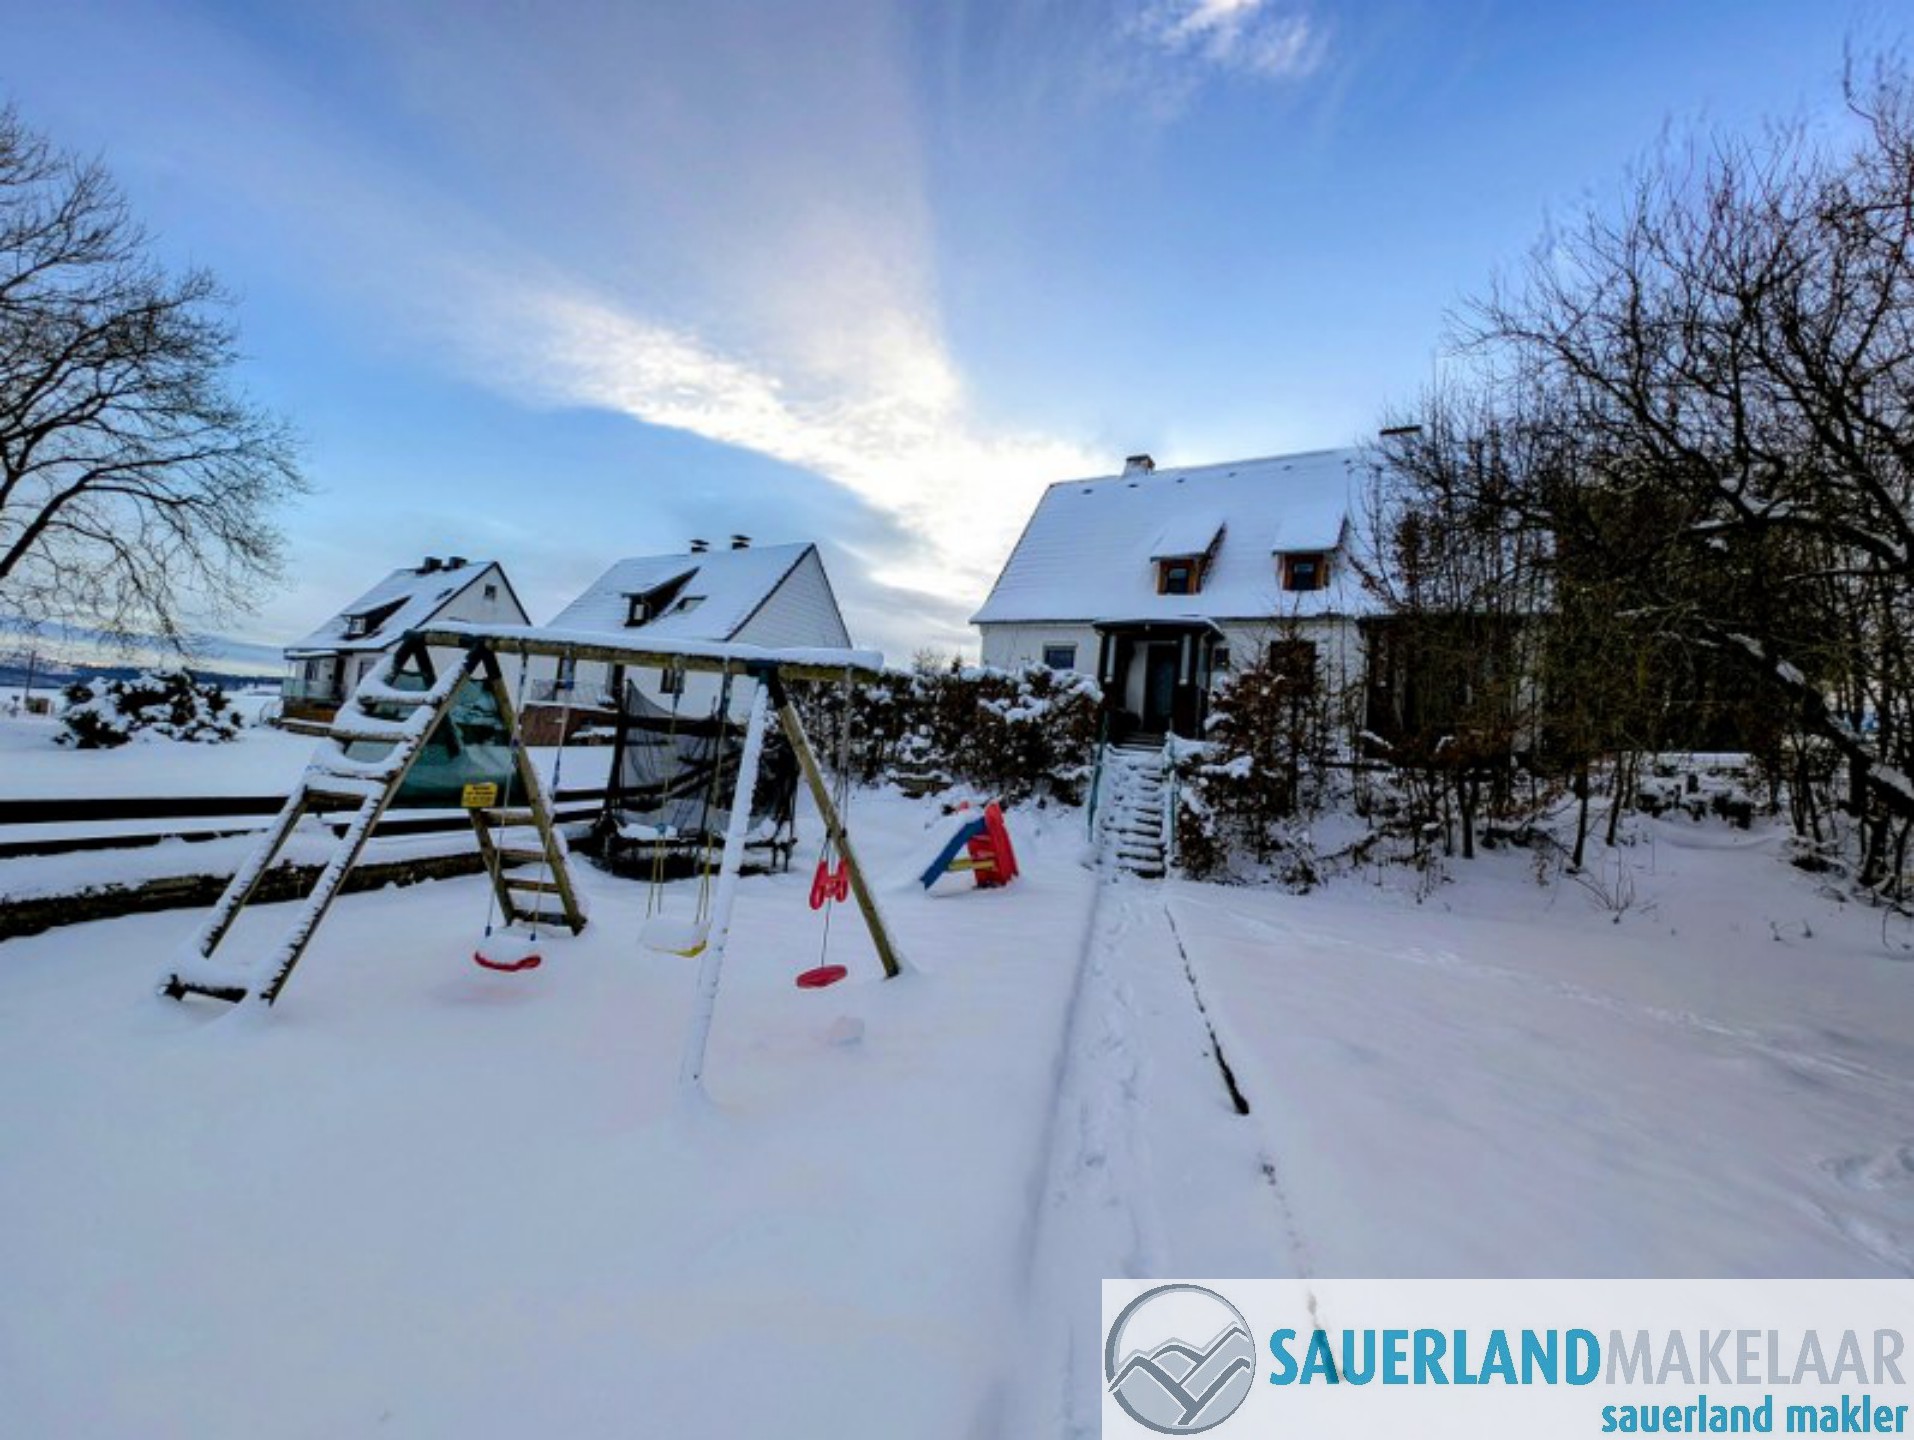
<point x="569" y="805"/>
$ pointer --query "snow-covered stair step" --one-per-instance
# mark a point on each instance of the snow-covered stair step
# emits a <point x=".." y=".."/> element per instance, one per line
<point x="1131" y="825"/>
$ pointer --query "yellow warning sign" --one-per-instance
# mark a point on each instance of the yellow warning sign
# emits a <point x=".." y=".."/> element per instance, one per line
<point x="479" y="797"/>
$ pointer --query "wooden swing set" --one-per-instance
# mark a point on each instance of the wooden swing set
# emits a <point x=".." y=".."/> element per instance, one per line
<point x="398" y="707"/>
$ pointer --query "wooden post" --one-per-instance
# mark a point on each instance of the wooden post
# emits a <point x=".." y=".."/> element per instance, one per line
<point x="834" y="827"/>
<point x="536" y="800"/>
<point x="723" y="900"/>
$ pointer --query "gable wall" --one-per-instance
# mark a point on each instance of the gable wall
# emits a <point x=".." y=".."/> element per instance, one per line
<point x="801" y="611"/>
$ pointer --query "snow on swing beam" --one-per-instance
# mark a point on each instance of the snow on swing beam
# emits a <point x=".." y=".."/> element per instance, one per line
<point x="803" y="662"/>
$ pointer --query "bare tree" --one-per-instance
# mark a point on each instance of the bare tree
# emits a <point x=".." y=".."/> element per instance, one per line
<point x="1717" y="384"/>
<point x="136" y="484"/>
<point x="1459" y="566"/>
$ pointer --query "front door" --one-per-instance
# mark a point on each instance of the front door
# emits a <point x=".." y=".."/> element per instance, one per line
<point x="1159" y="685"/>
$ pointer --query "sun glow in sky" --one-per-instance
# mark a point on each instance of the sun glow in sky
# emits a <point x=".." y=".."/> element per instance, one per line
<point x="567" y="282"/>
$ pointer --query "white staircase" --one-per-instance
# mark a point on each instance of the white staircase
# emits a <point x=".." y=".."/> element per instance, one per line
<point x="1132" y="814"/>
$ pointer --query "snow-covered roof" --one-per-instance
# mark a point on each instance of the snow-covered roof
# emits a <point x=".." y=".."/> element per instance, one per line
<point x="1089" y="548"/>
<point x="721" y="590"/>
<point x="404" y="599"/>
<point x="1192" y="533"/>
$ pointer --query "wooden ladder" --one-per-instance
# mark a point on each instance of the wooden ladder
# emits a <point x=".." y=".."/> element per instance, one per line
<point x="398" y="705"/>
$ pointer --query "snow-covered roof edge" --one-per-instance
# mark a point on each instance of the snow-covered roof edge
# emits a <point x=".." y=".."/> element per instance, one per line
<point x="328" y="638"/>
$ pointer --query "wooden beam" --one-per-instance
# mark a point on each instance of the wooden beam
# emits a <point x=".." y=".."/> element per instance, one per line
<point x="834" y="827"/>
<point x="529" y="641"/>
<point x="536" y="800"/>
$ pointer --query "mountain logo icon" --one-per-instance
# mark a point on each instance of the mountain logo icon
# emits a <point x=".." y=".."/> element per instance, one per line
<point x="1179" y="1359"/>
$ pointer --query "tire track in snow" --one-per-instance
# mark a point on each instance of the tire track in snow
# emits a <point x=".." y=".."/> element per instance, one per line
<point x="1301" y="1258"/>
<point x="1091" y="1214"/>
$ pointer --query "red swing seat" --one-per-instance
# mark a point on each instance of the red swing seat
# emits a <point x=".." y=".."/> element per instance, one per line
<point x="819" y="976"/>
<point x="524" y="962"/>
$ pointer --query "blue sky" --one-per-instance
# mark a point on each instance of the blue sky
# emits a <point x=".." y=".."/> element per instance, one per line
<point x="563" y="282"/>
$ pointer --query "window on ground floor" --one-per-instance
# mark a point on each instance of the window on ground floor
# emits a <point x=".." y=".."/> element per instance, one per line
<point x="1060" y="657"/>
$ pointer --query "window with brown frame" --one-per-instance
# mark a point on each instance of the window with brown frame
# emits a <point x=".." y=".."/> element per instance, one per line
<point x="1305" y="570"/>
<point x="1180" y="575"/>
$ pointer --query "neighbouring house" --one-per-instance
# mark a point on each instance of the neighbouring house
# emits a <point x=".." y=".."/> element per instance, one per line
<point x="324" y="668"/>
<point x="1156" y="581"/>
<point x="773" y="596"/>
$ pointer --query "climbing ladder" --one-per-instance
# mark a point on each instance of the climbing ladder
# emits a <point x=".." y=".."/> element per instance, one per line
<point x="397" y="706"/>
<point x="1132" y="816"/>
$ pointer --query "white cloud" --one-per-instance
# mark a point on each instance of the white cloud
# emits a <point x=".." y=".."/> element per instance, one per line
<point x="1256" y="37"/>
<point x="894" y="430"/>
<point x="663" y="212"/>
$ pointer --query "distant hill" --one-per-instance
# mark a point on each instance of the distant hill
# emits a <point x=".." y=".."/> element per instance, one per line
<point x="51" y="675"/>
<point x="61" y="654"/>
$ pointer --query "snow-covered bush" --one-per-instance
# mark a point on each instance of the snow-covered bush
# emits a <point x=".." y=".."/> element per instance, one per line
<point x="101" y="714"/>
<point x="1015" y="733"/>
<point x="1245" y="795"/>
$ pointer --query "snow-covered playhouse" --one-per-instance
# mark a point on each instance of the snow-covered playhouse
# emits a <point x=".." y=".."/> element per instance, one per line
<point x="774" y="596"/>
<point x="326" y="666"/>
<point x="1156" y="581"/>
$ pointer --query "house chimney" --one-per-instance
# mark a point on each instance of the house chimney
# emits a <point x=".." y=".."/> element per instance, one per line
<point x="455" y="562"/>
<point x="1135" y="464"/>
<point x="1398" y="432"/>
<point x="699" y="547"/>
<point x="740" y="542"/>
<point x="430" y="565"/>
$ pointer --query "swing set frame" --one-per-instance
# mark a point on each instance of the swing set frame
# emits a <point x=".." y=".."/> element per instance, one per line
<point x="770" y="669"/>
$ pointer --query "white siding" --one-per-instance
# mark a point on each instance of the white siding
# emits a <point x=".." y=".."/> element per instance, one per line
<point x="1007" y="646"/>
<point x="471" y="605"/>
<point x="800" y="611"/>
<point x="1337" y="639"/>
<point x="1338" y="642"/>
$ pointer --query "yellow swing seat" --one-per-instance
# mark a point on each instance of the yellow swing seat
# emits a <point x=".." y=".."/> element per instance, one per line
<point x="671" y="936"/>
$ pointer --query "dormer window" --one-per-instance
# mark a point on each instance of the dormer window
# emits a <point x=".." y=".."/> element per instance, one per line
<point x="1305" y="570"/>
<point x="1182" y="551"/>
<point x="1179" y="575"/>
<point x="648" y="605"/>
<point x="368" y="622"/>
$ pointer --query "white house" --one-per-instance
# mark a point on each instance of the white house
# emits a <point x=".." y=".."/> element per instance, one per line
<point x="769" y="595"/>
<point x="323" y="668"/>
<point x="1155" y="581"/>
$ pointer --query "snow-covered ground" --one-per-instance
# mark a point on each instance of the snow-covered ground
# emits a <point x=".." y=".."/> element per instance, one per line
<point x="422" y="1198"/>
<point x="262" y="761"/>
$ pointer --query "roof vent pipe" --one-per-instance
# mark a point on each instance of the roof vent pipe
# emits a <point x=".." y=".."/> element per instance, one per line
<point x="740" y="542"/>
<point x="1134" y="464"/>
